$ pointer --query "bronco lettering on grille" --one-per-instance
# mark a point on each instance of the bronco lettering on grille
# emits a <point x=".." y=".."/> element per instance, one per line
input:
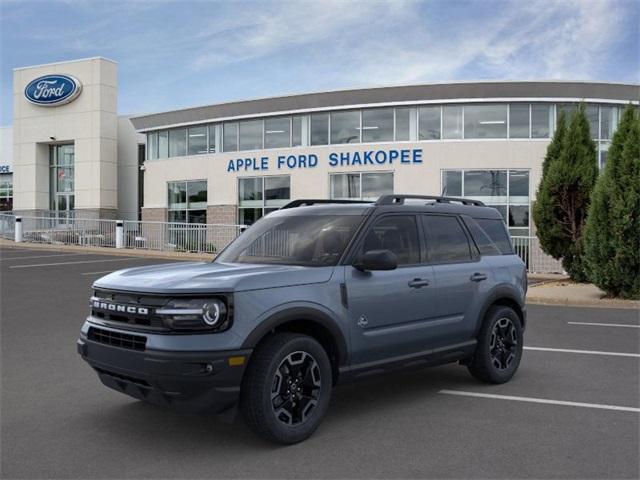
<point x="113" y="307"/>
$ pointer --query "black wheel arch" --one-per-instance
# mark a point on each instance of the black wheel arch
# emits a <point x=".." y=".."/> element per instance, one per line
<point x="507" y="296"/>
<point x="307" y="321"/>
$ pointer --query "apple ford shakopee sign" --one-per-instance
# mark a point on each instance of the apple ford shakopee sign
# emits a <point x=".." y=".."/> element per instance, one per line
<point x="53" y="90"/>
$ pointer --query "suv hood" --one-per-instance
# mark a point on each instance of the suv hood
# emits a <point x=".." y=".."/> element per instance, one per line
<point x="206" y="277"/>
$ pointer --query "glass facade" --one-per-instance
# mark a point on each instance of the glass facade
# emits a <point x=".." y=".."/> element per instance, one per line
<point x="506" y="190"/>
<point x="251" y="135"/>
<point x="403" y="124"/>
<point x="61" y="179"/>
<point x="360" y="185"/>
<point x="178" y="142"/>
<point x="452" y="121"/>
<point x="519" y="120"/>
<point x="197" y="140"/>
<point x="485" y="121"/>
<point x="429" y="123"/>
<point x="319" y="129"/>
<point x="377" y="125"/>
<point x="6" y="192"/>
<point x="258" y="196"/>
<point x="383" y="124"/>
<point x="230" y="137"/>
<point x="187" y="201"/>
<point x="277" y="132"/>
<point x="345" y="127"/>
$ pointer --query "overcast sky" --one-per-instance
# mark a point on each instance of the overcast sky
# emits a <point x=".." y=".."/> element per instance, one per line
<point x="186" y="53"/>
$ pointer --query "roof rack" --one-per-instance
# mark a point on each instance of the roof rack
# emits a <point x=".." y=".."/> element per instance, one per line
<point x="399" y="200"/>
<point x="309" y="201"/>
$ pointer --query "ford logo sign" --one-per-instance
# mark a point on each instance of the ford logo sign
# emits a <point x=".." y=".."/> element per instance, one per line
<point x="53" y="90"/>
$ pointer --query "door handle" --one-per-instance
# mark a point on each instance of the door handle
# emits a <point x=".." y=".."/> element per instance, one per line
<point x="478" y="277"/>
<point x="418" y="282"/>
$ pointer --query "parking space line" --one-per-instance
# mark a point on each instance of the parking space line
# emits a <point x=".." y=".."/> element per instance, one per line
<point x="586" y="352"/>
<point x="95" y="273"/>
<point x="540" y="400"/>
<point x="41" y="256"/>
<point x="78" y="262"/>
<point x="622" y="325"/>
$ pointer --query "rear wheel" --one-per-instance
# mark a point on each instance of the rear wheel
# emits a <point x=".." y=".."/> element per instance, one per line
<point x="286" y="389"/>
<point x="499" y="347"/>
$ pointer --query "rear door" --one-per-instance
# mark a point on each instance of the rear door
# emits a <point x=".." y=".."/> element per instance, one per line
<point x="461" y="277"/>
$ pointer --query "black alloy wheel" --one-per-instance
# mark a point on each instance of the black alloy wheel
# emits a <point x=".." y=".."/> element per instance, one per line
<point x="499" y="348"/>
<point x="504" y="343"/>
<point x="296" y="388"/>
<point x="286" y="388"/>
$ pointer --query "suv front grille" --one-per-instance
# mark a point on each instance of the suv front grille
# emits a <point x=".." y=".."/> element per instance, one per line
<point x="128" y="309"/>
<point x="117" y="339"/>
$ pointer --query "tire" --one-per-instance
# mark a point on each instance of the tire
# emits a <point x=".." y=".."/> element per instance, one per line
<point x="297" y="369"/>
<point x="499" y="349"/>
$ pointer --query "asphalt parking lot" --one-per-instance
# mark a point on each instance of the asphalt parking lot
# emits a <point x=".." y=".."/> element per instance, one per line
<point x="572" y="411"/>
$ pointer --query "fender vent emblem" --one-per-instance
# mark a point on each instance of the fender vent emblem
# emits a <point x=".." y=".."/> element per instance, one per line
<point x="362" y="321"/>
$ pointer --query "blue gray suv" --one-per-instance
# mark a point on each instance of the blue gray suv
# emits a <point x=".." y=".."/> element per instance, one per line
<point x="316" y="293"/>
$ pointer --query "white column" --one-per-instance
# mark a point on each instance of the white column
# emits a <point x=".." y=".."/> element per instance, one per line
<point x="18" y="230"/>
<point x="119" y="234"/>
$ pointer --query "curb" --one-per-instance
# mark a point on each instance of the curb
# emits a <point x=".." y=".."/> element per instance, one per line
<point x="572" y="302"/>
<point x="125" y="252"/>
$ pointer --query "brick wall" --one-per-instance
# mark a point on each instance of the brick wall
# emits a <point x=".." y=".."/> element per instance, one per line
<point x="154" y="214"/>
<point x="222" y="214"/>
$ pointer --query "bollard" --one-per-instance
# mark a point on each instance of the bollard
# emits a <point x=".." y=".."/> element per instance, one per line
<point x="119" y="234"/>
<point x="18" y="230"/>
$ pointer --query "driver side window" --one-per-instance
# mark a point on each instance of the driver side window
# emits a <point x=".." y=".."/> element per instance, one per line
<point x="397" y="233"/>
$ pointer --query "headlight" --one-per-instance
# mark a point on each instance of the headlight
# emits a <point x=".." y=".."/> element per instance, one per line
<point x="195" y="314"/>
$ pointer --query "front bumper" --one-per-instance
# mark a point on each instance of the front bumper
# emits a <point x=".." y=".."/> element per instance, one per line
<point x="184" y="381"/>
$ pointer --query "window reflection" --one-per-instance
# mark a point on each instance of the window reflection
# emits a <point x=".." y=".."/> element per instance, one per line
<point x="277" y="132"/>
<point x="257" y="196"/>
<point x="485" y="121"/>
<point x="452" y="121"/>
<point x="519" y="120"/>
<point x="320" y="129"/>
<point x="178" y="142"/>
<point x="403" y="124"/>
<point x="377" y="125"/>
<point x="251" y="135"/>
<point x="429" y="123"/>
<point x="345" y="127"/>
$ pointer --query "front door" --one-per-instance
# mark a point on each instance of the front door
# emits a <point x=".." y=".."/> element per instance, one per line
<point x="390" y="311"/>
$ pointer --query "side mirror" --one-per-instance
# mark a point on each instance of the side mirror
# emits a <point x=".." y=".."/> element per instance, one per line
<point x="377" y="260"/>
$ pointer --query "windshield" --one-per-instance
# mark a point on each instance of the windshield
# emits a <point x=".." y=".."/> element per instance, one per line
<point x="313" y="240"/>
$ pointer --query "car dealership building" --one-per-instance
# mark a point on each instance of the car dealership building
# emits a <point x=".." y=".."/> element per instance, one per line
<point x="234" y="162"/>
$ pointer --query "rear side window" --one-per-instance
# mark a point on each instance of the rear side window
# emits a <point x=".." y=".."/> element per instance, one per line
<point x="446" y="240"/>
<point x="482" y="240"/>
<point x="497" y="232"/>
<point x="398" y="233"/>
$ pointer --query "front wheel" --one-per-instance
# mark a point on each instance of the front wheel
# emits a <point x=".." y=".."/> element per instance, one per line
<point x="499" y="347"/>
<point x="286" y="389"/>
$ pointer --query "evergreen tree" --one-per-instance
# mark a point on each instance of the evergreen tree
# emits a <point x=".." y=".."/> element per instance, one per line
<point x="612" y="233"/>
<point x="563" y="197"/>
<point x="548" y="231"/>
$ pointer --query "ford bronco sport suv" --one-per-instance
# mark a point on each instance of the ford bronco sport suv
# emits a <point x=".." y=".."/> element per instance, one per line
<point x="316" y="293"/>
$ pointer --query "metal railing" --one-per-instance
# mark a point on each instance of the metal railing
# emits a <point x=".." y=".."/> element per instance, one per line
<point x="69" y="231"/>
<point x="7" y="226"/>
<point x="528" y="248"/>
<point x="191" y="237"/>
<point x="180" y="237"/>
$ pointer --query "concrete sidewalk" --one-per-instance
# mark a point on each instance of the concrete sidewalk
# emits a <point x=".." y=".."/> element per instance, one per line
<point x="128" y="252"/>
<point x="568" y="293"/>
